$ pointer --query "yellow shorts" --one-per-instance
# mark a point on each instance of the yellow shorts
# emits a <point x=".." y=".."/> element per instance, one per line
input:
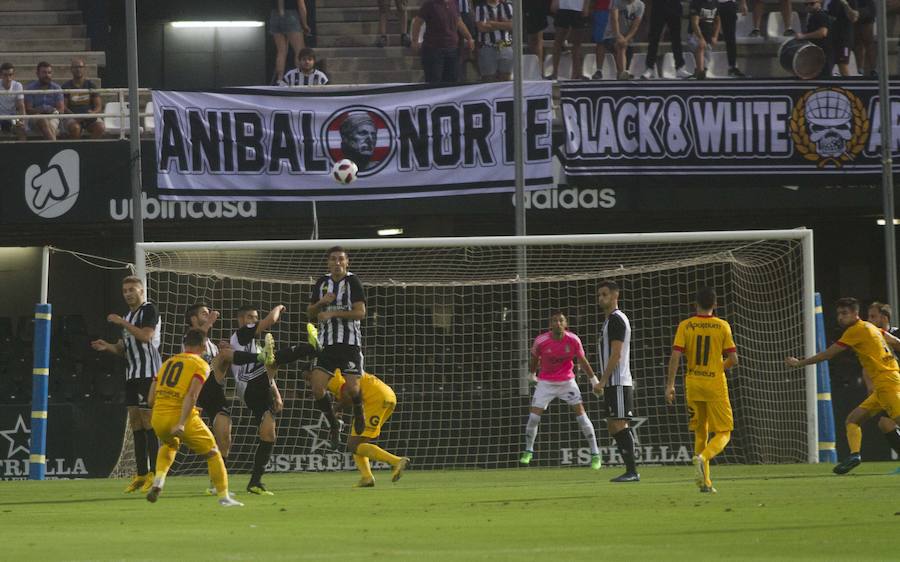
<point x="377" y="413"/>
<point x="716" y="415"/>
<point x="885" y="399"/>
<point x="196" y="435"/>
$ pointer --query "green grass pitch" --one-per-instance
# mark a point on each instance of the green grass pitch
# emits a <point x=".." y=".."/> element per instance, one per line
<point x="786" y="512"/>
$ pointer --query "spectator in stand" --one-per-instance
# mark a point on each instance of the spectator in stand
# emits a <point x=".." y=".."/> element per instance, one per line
<point x="705" y="27"/>
<point x="843" y="15"/>
<point x="495" y="55"/>
<point x="728" y="11"/>
<point x="49" y="102"/>
<point x="82" y="103"/>
<point x="306" y="74"/>
<point x="624" y="21"/>
<point x="665" y="14"/>
<point x="598" y="12"/>
<point x="817" y="32"/>
<point x="384" y="6"/>
<point x="759" y="10"/>
<point x="440" y="44"/>
<point x="534" y="18"/>
<point x="569" y="24"/>
<point x="467" y="56"/>
<point x="287" y="26"/>
<point x="11" y="104"/>
<point x="864" y="38"/>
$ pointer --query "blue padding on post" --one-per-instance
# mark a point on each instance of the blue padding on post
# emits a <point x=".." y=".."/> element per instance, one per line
<point x="39" y="390"/>
<point x="827" y="451"/>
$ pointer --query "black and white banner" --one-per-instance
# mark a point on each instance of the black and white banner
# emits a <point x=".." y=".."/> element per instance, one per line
<point x="407" y="140"/>
<point x="679" y="128"/>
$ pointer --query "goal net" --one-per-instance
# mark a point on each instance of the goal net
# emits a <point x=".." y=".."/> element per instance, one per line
<point x="449" y="328"/>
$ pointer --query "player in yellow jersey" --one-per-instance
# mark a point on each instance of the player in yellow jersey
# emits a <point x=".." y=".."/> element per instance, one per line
<point x="704" y="340"/>
<point x="880" y="315"/>
<point x="379" y="402"/>
<point x="175" y="419"/>
<point x="873" y="350"/>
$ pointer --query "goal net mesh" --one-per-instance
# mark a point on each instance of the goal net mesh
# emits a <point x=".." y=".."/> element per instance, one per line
<point x="443" y="330"/>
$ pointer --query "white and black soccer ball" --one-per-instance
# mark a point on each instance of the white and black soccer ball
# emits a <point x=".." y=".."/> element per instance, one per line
<point x="344" y="171"/>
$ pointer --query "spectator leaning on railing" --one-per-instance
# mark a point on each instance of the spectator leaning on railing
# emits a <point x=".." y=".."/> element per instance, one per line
<point x="82" y="103"/>
<point x="47" y="102"/>
<point x="11" y="104"/>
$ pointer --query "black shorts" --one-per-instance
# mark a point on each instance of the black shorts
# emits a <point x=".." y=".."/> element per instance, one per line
<point x="136" y="393"/>
<point x="619" y="402"/>
<point x="347" y="358"/>
<point x="568" y="19"/>
<point x="866" y="10"/>
<point x="841" y="36"/>
<point x="258" y="398"/>
<point x="212" y="399"/>
<point x="535" y="16"/>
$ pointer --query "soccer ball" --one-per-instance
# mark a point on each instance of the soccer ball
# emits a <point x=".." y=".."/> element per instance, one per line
<point x="344" y="171"/>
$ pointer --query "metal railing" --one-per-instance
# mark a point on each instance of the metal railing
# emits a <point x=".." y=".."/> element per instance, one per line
<point x="121" y="95"/>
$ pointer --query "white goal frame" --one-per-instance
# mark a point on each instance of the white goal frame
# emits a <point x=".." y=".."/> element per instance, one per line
<point x="804" y="235"/>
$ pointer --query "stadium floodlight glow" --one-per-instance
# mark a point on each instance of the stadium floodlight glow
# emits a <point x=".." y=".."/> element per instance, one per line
<point x="390" y="231"/>
<point x="882" y="222"/>
<point x="217" y="24"/>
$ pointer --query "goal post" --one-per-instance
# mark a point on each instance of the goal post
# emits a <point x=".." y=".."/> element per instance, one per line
<point x="443" y="329"/>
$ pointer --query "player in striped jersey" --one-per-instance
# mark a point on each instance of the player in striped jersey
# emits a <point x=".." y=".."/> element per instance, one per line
<point x="553" y="352"/>
<point x="873" y="350"/>
<point x="255" y="384"/>
<point x="704" y="339"/>
<point x="338" y="303"/>
<point x="140" y="346"/>
<point x="493" y="18"/>
<point x="306" y="73"/>
<point x="616" y="384"/>
<point x="880" y="315"/>
<point x="173" y="397"/>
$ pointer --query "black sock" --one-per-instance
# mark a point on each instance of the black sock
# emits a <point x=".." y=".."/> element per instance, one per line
<point x="152" y="448"/>
<point x="893" y="438"/>
<point x="324" y="405"/>
<point x="263" y="453"/>
<point x="289" y="354"/>
<point x="625" y="442"/>
<point x="244" y="358"/>
<point x="140" y="451"/>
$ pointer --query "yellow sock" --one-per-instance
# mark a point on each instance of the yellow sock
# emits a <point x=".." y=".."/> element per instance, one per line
<point x="365" y="469"/>
<point x="854" y="438"/>
<point x="218" y="474"/>
<point x="700" y="442"/>
<point x="716" y="444"/>
<point x="377" y="453"/>
<point x="164" y="459"/>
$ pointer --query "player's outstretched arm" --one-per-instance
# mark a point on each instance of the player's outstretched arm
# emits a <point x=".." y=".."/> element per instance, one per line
<point x="731" y="360"/>
<point x="117" y="348"/>
<point x="270" y="320"/>
<point x="891" y="340"/>
<point x="832" y="350"/>
<point x="674" y="363"/>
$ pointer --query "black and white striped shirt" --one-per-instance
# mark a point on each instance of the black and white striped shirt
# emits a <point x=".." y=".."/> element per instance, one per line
<point x="209" y="353"/>
<point x="616" y="327"/>
<point x="463" y="6"/>
<point x="347" y="291"/>
<point x="296" y="77"/>
<point x="143" y="358"/>
<point x="245" y="340"/>
<point x="501" y="11"/>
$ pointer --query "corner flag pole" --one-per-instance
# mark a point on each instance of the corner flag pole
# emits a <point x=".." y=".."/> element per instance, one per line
<point x="40" y="377"/>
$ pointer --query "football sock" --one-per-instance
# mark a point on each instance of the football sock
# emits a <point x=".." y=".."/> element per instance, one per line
<point x="377" y="453"/>
<point x="362" y="464"/>
<point x="164" y="460"/>
<point x="700" y="440"/>
<point x="625" y="441"/>
<point x="324" y="406"/>
<point x="531" y="428"/>
<point x="140" y="451"/>
<point x="716" y="444"/>
<point x="263" y="452"/>
<point x="244" y="358"/>
<point x="587" y="428"/>
<point x="152" y="448"/>
<point x="217" y="474"/>
<point x="290" y="354"/>
<point x="854" y="438"/>
<point x="893" y="438"/>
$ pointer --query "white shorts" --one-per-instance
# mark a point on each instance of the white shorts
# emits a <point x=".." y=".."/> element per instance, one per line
<point x="546" y="391"/>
